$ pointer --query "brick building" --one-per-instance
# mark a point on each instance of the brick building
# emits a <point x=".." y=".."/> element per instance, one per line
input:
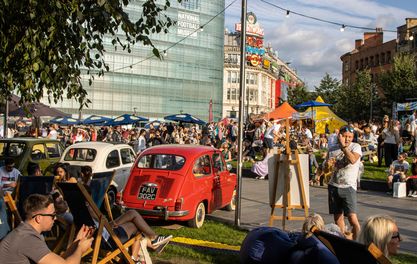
<point x="370" y="53"/>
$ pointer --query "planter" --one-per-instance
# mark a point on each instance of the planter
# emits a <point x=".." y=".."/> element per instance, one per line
<point x="374" y="185"/>
<point x="247" y="173"/>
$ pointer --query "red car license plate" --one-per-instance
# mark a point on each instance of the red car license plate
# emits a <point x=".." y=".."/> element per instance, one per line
<point x="147" y="193"/>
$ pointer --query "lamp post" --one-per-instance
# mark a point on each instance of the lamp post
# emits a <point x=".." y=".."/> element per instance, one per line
<point x="241" y="111"/>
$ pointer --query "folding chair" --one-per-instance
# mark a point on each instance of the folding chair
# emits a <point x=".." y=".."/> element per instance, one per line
<point x="15" y="217"/>
<point x="99" y="185"/>
<point x="85" y="211"/>
<point x="349" y="251"/>
<point x="28" y="185"/>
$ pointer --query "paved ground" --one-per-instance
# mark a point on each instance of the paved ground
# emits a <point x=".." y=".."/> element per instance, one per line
<point x="256" y="210"/>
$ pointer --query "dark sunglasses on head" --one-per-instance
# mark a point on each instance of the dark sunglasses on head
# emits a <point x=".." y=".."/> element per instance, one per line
<point x="51" y="215"/>
<point x="346" y="129"/>
<point x="397" y="236"/>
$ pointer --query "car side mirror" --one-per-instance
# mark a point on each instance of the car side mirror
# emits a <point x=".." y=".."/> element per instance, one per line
<point x="229" y="166"/>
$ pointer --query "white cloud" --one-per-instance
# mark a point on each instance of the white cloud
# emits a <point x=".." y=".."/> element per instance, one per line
<point x="313" y="47"/>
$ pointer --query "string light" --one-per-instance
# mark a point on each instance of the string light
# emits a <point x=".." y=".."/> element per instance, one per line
<point x="165" y="53"/>
<point x="288" y="14"/>
<point x="342" y="28"/>
<point x="324" y="20"/>
<point x="411" y="37"/>
<point x="201" y="29"/>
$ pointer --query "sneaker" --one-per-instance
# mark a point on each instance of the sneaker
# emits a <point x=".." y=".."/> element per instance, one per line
<point x="161" y="247"/>
<point x="261" y="178"/>
<point x="160" y="240"/>
<point x="414" y="195"/>
<point x="410" y="194"/>
<point x="389" y="192"/>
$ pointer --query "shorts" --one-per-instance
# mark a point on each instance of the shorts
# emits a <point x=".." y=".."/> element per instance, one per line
<point x="269" y="143"/>
<point x="342" y="200"/>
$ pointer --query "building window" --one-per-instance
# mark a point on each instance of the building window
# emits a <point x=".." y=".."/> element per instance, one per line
<point x="371" y="61"/>
<point x="356" y="65"/>
<point x="377" y="60"/>
<point x="382" y="58"/>
<point x="361" y="67"/>
<point x="234" y="77"/>
<point x="229" y="77"/>
<point x="388" y="57"/>
<point x="366" y="62"/>
<point x="234" y="94"/>
<point x="228" y="93"/>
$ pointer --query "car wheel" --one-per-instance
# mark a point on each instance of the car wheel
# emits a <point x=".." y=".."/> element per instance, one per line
<point x="232" y="205"/>
<point x="112" y="196"/>
<point x="200" y="214"/>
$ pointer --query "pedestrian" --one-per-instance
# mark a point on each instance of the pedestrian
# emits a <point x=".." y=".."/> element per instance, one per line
<point x="343" y="183"/>
<point x="391" y="138"/>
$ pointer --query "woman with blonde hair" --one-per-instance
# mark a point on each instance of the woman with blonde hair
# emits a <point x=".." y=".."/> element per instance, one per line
<point x="381" y="230"/>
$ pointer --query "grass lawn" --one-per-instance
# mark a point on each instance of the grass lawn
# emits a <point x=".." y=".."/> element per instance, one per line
<point x="221" y="233"/>
<point x="211" y="231"/>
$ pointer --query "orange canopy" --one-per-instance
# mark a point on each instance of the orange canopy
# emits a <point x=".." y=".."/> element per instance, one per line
<point x="283" y="111"/>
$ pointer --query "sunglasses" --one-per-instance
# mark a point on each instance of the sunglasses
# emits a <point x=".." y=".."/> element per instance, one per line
<point x="346" y="129"/>
<point x="397" y="236"/>
<point x="51" y="215"/>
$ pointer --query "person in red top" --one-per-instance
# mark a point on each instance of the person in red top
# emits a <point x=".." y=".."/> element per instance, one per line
<point x="412" y="180"/>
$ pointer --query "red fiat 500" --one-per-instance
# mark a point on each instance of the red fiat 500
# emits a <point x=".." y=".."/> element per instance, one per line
<point x="180" y="182"/>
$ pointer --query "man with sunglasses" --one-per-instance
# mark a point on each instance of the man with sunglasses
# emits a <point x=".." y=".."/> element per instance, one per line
<point x="343" y="183"/>
<point x="25" y="244"/>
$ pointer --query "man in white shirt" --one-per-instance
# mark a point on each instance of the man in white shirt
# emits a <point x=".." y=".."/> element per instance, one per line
<point x="9" y="175"/>
<point x="343" y="183"/>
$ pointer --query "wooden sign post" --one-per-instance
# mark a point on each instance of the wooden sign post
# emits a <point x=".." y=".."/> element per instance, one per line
<point x="283" y="163"/>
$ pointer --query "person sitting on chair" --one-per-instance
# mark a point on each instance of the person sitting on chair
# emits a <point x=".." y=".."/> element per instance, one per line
<point x="25" y="244"/>
<point x="130" y="224"/>
<point x="397" y="171"/>
<point x="34" y="169"/>
<point x="383" y="232"/>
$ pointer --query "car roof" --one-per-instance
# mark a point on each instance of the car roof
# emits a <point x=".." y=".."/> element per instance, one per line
<point x="28" y="139"/>
<point x="180" y="149"/>
<point x="98" y="145"/>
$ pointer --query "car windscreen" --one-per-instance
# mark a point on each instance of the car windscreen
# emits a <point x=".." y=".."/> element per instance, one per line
<point x="12" y="149"/>
<point x="80" y="154"/>
<point x="161" y="161"/>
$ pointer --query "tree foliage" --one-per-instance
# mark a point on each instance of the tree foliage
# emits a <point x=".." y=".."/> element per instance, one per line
<point x="400" y="83"/>
<point x="46" y="44"/>
<point x="298" y="94"/>
<point x="328" y="89"/>
<point x="353" y="102"/>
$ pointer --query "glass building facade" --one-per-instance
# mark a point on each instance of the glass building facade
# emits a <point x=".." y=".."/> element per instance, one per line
<point x="184" y="80"/>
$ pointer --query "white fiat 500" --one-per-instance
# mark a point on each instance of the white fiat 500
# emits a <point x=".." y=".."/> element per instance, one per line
<point x="103" y="157"/>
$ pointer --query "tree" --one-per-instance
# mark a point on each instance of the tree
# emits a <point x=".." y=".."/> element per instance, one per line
<point x="46" y="44"/>
<point x="328" y="89"/>
<point x="298" y="94"/>
<point x="401" y="82"/>
<point x="353" y="102"/>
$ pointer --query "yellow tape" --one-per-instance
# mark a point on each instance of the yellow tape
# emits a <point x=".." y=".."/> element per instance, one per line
<point x="202" y="243"/>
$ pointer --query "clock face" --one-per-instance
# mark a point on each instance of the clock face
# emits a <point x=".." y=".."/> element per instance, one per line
<point x="251" y="18"/>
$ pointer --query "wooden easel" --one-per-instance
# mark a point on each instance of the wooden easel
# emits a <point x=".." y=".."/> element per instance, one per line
<point x="284" y="164"/>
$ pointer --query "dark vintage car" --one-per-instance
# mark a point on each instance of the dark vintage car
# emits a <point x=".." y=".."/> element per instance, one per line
<point x="180" y="182"/>
<point x="23" y="150"/>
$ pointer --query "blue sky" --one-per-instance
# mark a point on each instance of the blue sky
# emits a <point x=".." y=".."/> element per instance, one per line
<point x="313" y="47"/>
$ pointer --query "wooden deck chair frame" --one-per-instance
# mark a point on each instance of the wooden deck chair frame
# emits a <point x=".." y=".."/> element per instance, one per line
<point x="106" y="200"/>
<point x="15" y="215"/>
<point x="373" y="250"/>
<point x="103" y="223"/>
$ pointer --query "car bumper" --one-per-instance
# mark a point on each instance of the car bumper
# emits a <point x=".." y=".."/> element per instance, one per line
<point x="163" y="212"/>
